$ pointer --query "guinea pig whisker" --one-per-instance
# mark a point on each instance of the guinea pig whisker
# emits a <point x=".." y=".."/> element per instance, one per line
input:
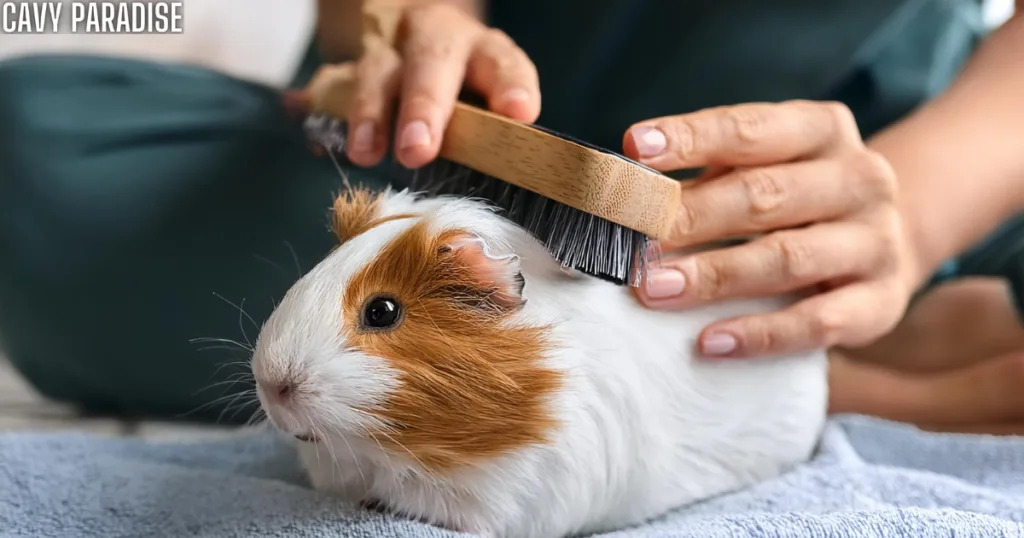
<point x="231" y="398"/>
<point x="221" y="346"/>
<point x="279" y="267"/>
<point x="295" y="258"/>
<point x="335" y="429"/>
<point x="425" y="470"/>
<point x="228" y="382"/>
<point x="330" y="452"/>
<point x="243" y="367"/>
<point x="210" y="339"/>
<point x="241" y="312"/>
<point x="238" y="377"/>
<point x="391" y="465"/>
<point x="239" y="407"/>
<point x="259" y="418"/>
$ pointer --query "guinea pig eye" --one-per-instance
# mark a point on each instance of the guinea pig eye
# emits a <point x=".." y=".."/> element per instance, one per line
<point x="381" y="313"/>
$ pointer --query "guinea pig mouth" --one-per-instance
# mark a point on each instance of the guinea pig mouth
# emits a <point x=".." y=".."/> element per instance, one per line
<point x="307" y="438"/>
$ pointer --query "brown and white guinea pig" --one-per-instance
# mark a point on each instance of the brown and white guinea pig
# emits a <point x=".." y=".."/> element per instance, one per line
<point x="439" y="363"/>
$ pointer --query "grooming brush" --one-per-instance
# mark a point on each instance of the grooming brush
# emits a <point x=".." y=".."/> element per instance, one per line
<point x="596" y="211"/>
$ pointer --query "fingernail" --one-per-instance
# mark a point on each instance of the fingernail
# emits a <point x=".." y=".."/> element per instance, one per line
<point x="718" y="344"/>
<point x="662" y="283"/>
<point x="514" y="95"/>
<point x="414" y="134"/>
<point x="649" y="141"/>
<point x="362" y="137"/>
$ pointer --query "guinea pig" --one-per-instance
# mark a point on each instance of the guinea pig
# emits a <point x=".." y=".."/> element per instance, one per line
<point x="440" y="364"/>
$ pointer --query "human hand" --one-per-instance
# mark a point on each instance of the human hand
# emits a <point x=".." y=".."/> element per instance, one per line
<point x="439" y="48"/>
<point x="798" y="173"/>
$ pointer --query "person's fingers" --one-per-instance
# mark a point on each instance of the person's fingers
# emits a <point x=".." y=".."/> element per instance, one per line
<point x="503" y="74"/>
<point x="780" y="262"/>
<point x="434" y="52"/>
<point x="740" y="135"/>
<point x="987" y="392"/>
<point x="752" y="200"/>
<point x="377" y="78"/>
<point x="850" y="315"/>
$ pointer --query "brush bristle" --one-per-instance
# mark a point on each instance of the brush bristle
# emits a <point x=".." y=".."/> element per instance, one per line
<point x="578" y="240"/>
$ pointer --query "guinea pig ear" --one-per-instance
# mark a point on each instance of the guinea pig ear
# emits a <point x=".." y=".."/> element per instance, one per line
<point x="486" y="280"/>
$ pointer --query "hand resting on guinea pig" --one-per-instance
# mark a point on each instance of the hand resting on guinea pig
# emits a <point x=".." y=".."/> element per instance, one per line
<point x="441" y="364"/>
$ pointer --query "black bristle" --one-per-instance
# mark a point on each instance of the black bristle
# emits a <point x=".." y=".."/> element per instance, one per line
<point x="576" y="239"/>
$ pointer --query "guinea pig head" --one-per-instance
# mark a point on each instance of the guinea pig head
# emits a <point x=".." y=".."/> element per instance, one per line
<point x="410" y="335"/>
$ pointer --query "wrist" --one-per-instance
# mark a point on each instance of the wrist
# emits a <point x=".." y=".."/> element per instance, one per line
<point x="947" y="200"/>
<point x="920" y="259"/>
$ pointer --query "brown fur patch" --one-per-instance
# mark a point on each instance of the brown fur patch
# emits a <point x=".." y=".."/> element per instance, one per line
<point x="471" y="388"/>
<point x="354" y="212"/>
<point x="357" y="210"/>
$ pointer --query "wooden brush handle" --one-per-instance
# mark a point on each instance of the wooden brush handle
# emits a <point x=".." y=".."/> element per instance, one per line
<point x="587" y="179"/>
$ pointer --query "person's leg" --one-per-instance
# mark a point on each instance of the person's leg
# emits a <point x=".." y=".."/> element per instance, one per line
<point x="956" y="360"/>
<point x="136" y="201"/>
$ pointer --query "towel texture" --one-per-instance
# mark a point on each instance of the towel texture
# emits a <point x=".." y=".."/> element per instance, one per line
<point x="870" y="478"/>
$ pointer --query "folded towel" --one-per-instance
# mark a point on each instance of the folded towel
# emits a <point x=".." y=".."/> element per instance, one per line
<point x="869" y="478"/>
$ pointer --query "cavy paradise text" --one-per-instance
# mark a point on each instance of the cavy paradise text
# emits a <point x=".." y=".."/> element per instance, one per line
<point x="92" y="17"/>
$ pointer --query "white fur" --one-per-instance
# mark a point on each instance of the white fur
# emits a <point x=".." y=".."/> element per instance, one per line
<point x="646" y="425"/>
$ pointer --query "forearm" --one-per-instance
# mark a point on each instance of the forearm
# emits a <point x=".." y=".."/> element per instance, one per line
<point x="959" y="159"/>
<point x="339" y="23"/>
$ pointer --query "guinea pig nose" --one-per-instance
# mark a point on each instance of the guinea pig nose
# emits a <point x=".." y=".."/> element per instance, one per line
<point x="280" y="391"/>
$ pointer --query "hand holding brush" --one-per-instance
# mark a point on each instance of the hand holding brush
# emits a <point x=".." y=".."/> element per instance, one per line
<point x="796" y="173"/>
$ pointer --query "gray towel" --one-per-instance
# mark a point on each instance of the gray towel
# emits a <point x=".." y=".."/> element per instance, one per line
<point x="869" y="478"/>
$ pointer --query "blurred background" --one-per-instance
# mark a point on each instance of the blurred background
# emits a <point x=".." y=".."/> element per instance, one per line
<point x="259" y="41"/>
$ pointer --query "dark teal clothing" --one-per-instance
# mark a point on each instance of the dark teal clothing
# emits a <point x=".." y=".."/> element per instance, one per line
<point x="133" y="196"/>
<point x="605" y="64"/>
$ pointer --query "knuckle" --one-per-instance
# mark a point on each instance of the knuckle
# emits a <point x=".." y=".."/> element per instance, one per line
<point x="429" y="50"/>
<point x="796" y="260"/>
<point x="842" y="118"/>
<point x="429" y="14"/>
<point x="764" y="191"/>
<point x="497" y="55"/>
<point x="711" y="279"/>
<point x="436" y="21"/>
<point x="762" y="337"/>
<point x="879" y="175"/>
<point x="683" y="138"/>
<point x="499" y="63"/>
<point x="366" y="104"/>
<point x="502" y="61"/>
<point x="889" y="234"/>
<point x="825" y="326"/>
<point x="747" y="124"/>
<point x="420" y="103"/>
<point x="686" y="223"/>
<point x="887" y="255"/>
<point x="499" y="37"/>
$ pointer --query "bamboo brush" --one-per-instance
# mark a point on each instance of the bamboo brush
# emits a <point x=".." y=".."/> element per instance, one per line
<point x="595" y="210"/>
